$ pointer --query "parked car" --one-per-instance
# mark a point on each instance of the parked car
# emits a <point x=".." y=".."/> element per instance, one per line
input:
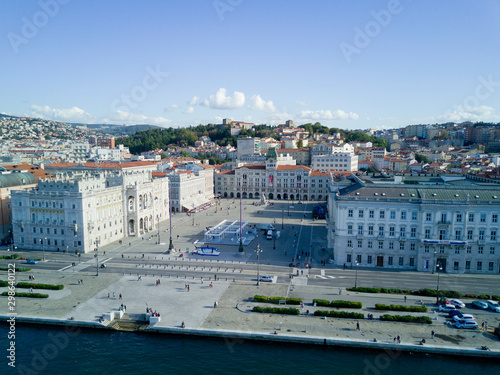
<point x="452" y="313"/>
<point x="480" y="305"/>
<point x="461" y="316"/>
<point x="446" y="308"/>
<point x="493" y="305"/>
<point x="469" y="324"/>
<point x="266" y="278"/>
<point x="32" y="261"/>
<point x="457" y="303"/>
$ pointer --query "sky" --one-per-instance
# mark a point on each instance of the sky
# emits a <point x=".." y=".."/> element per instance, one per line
<point x="346" y="64"/>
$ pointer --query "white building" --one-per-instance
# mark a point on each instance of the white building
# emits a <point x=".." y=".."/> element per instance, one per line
<point x="248" y="146"/>
<point x="80" y="210"/>
<point x="453" y="229"/>
<point x="324" y="148"/>
<point x="335" y="162"/>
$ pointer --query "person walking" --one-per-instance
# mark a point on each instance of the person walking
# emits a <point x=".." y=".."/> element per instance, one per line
<point x="357" y="326"/>
<point x="405" y="299"/>
<point x="340" y="291"/>
<point x="120" y="296"/>
<point x="432" y="334"/>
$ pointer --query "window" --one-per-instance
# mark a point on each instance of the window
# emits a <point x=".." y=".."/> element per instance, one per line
<point x="470" y="234"/>
<point x="426" y="248"/>
<point x="413" y="232"/>
<point x="428" y="217"/>
<point x="480" y="249"/>
<point x="403" y="215"/>
<point x="382" y="214"/>
<point x="414" y="215"/>
<point x="55" y="230"/>
<point x="481" y="235"/>
<point x="412" y="262"/>
<point x="492" y="250"/>
<point x="371" y="214"/>
<point x="459" y="218"/>
<point x="412" y="247"/>
<point x="360" y="230"/>
<point x="402" y="230"/>
<point x="455" y="266"/>
<point x="482" y="219"/>
<point x="349" y="243"/>
<point x="467" y="264"/>
<point x="427" y="233"/>
<point x="391" y="245"/>
<point x="493" y="235"/>
<point x="350" y="213"/>
<point x="370" y="244"/>
<point x="494" y="218"/>
<point x="443" y="218"/>
<point x="369" y="259"/>
<point x="401" y="261"/>
<point x="469" y="249"/>
<point x="490" y="266"/>
<point x="391" y="231"/>
<point x="458" y="234"/>
<point x="479" y="265"/>
<point x="380" y="244"/>
<point x="380" y="231"/>
<point x="73" y="206"/>
<point x="441" y="249"/>
<point x="391" y="261"/>
<point x="393" y="215"/>
<point x="360" y="243"/>
<point x="471" y="218"/>
<point x="349" y="229"/>
<point x="358" y="258"/>
<point x="442" y="234"/>
<point x="34" y="229"/>
<point x="361" y="213"/>
<point x="370" y="230"/>
<point x="401" y="246"/>
<point x="348" y="258"/>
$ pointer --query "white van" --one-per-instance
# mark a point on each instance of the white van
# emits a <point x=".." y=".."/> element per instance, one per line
<point x="278" y="234"/>
<point x="269" y="234"/>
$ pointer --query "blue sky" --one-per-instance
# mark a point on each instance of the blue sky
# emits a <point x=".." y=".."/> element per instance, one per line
<point x="347" y="64"/>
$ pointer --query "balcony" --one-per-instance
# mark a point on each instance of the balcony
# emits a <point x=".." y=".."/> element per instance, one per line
<point x="402" y="238"/>
<point x="444" y="222"/>
<point x="380" y="238"/>
<point x="360" y="236"/>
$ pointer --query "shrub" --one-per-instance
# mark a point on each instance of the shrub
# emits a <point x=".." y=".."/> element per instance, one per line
<point x="321" y="302"/>
<point x="28" y="295"/>
<point x="406" y="319"/>
<point x="13" y="256"/>
<point x="276" y="310"/>
<point x="4" y="283"/>
<point x="339" y="314"/>
<point x="276" y="300"/>
<point x="23" y="269"/>
<point x="346" y="304"/>
<point x="364" y="290"/>
<point x="39" y="286"/>
<point x="258" y="298"/>
<point x="293" y="301"/>
<point x="380" y="306"/>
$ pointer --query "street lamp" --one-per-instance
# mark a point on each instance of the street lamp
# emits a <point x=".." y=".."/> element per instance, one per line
<point x="258" y="264"/>
<point x="158" y="219"/>
<point x="274" y="236"/>
<point x="438" y="268"/>
<point x="43" y="249"/>
<point x="356" y="278"/>
<point x="170" y="245"/>
<point x="282" y="217"/>
<point x="240" y="249"/>
<point x="96" y="255"/>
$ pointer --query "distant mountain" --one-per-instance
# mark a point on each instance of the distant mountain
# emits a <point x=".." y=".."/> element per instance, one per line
<point x="116" y="130"/>
<point x="4" y="115"/>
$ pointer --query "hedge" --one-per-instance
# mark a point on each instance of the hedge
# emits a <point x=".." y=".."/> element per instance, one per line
<point x="13" y="256"/>
<point x="339" y="314"/>
<point x="481" y="296"/>
<point x="380" y="306"/>
<point x="426" y="293"/>
<point x="4" y="283"/>
<point x="380" y="290"/>
<point x="40" y="286"/>
<point x="24" y="269"/>
<point x="29" y="295"/>
<point x="277" y="310"/>
<point x="321" y="302"/>
<point x="276" y="300"/>
<point x="406" y="319"/>
<point x="346" y="304"/>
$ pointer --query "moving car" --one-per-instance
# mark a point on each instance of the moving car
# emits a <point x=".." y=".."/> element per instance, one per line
<point x="480" y="305"/>
<point x="493" y="305"/>
<point x="32" y="261"/>
<point x="266" y="278"/>
<point x="461" y="316"/>
<point x="206" y="250"/>
<point x="457" y="303"/>
<point x="469" y="324"/>
<point x="446" y="308"/>
<point x="269" y="234"/>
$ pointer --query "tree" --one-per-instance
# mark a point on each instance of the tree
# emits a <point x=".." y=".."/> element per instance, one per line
<point x="422" y="158"/>
<point x="185" y="154"/>
<point x="300" y="143"/>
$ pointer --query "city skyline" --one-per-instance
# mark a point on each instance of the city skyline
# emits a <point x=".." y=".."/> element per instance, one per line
<point x="382" y="64"/>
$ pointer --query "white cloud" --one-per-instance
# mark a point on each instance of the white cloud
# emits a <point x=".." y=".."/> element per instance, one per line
<point x="174" y="106"/>
<point x="259" y="104"/>
<point x="462" y="113"/>
<point x="73" y="114"/>
<point x="134" y="119"/>
<point x="194" y="101"/>
<point x="327" y="115"/>
<point x="189" y="110"/>
<point x="301" y="103"/>
<point x="221" y="101"/>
